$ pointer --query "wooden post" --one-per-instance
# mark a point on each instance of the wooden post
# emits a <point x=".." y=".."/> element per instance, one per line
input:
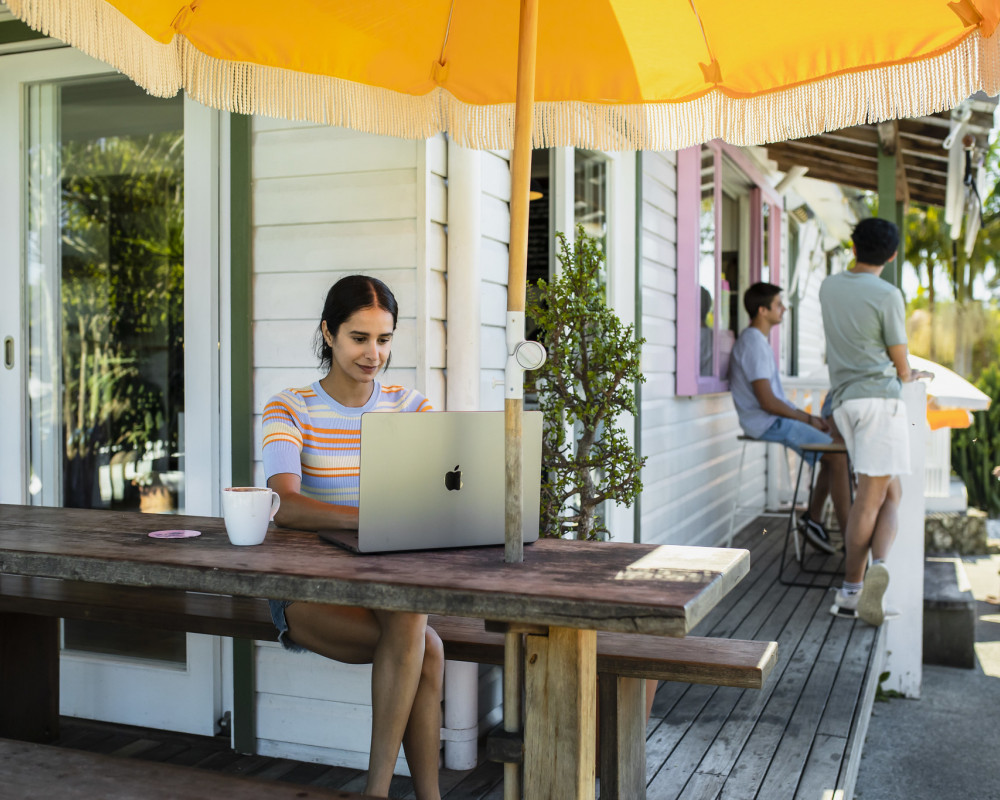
<point x="29" y="677"/>
<point x="623" y="743"/>
<point x="887" y="205"/>
<point x="513" y="680"/>
<point x="520" y="168"/>
<point x="560" y="735"/>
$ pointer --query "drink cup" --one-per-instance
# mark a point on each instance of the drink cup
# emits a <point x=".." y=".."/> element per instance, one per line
<point x="248" y="510"/>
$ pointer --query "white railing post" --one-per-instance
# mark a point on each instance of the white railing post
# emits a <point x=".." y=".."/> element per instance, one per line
<point x="904" y="637"/>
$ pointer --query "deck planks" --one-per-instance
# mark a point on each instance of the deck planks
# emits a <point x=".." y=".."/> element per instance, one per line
<point x="798" y="737"/>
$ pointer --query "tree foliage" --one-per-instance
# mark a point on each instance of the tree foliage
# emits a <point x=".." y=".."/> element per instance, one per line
<point x="932" y="252"/>
<point x="121" y="298"/>
<point x="583" y="389"/>
<point x="975" y="451"/>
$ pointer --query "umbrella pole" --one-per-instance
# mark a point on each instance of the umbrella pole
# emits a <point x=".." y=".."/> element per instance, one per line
<point x="520" y="168"/>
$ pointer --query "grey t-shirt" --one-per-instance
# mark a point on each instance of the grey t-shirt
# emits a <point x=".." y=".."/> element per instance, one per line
<point x="752" y="360"/>
<point x="862" y="316"/>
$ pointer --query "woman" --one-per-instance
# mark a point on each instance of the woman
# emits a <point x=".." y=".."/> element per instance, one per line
<point x="312" y="451"/>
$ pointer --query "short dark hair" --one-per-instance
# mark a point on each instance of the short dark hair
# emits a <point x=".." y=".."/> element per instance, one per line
<point x="760" y="294"/>
<point x="875" y="240"/>
<point x="348" y="295"/>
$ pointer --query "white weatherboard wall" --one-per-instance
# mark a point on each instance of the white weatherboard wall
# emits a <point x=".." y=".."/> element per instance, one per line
<point x="689" y="481"/>
<point x="328" y="202"/>
<point x="495" y="231"/>
<point x="811" y="271"/>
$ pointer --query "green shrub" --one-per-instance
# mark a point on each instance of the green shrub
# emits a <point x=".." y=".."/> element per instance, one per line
<point x="975" y="451"/>
<point x="583" y="388"/>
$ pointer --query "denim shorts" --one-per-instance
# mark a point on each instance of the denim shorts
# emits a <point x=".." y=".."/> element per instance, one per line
<point x="827" y="410"/>
<point x="278" y="618"/>
<point x="793" y="434"/>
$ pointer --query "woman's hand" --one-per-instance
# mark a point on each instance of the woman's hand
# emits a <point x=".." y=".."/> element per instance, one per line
<point x="305" y="513"/>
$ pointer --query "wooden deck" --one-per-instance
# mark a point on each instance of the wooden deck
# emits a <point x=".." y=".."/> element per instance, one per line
<point x="799" y="737"/>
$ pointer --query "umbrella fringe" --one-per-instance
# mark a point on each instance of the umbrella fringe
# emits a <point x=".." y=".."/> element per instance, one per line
<point x="854" y="98"/>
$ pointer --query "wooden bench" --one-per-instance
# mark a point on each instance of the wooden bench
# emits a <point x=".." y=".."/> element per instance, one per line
<point x="624" y="661"/>
<point x="28" y="769"/>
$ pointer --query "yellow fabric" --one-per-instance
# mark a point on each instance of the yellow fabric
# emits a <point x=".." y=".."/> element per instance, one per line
<point x="948" y="418"/>
<point x="620" y="51"/>
<point x="627" y="73"/>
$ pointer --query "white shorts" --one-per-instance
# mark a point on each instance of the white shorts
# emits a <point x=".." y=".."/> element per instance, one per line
<point x="876" y="431"/>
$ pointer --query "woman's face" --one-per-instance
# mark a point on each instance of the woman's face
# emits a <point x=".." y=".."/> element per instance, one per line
<point x="362" y="344"/>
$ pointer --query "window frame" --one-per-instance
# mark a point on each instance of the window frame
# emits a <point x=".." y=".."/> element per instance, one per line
<point x="689" y="380"/>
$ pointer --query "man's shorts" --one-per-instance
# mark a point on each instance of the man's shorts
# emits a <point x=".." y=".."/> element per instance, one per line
<point x="792" y="433"/>
<point x="876" y="431"/>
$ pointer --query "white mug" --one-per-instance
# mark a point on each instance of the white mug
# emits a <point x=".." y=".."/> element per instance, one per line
<point x="248" y="510"/>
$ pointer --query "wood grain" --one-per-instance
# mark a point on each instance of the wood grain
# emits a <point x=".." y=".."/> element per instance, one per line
<point x="728" y="662"/>
<point x="563" y="583"/>
<point x="560" y="692"/>
<point x="35" y="770"/>
<point x="623" y="738"/>
<point x="694" y="659"/>
<point x="168" y="609"/>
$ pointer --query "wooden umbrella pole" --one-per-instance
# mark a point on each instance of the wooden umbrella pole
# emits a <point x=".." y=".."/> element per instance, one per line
<point x="517" y="273"/>
<point x="517" y="270"/>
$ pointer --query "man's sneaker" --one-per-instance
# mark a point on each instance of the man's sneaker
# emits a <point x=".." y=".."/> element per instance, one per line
<point x="845" y="605"/>
<point x="870" y="607"/>
<point x="815" y="534"/>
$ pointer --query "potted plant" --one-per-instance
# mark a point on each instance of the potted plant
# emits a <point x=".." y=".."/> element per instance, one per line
<point x="583" y="389"/>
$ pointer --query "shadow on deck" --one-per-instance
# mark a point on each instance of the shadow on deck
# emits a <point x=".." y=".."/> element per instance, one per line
<point x="798" y="737"/>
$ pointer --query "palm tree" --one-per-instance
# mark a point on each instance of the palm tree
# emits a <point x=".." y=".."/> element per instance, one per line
<point x="931" y="251"/>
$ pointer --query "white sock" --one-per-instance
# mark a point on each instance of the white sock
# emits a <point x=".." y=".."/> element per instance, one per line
<point x="851" y="588"/>
<point x="877" y="561"/>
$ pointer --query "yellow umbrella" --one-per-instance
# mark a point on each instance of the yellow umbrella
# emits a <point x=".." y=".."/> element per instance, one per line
<point x="608" y="74"/>
<point x="611" y="74"/>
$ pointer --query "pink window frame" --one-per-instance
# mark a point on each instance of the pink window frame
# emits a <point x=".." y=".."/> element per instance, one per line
<point x="689" y="381"/>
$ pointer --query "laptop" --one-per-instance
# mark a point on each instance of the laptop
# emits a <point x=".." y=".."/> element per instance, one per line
<point x="436" y="480"/>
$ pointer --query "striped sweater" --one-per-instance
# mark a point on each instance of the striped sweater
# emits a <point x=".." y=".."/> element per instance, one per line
<point x="309" y="434"/>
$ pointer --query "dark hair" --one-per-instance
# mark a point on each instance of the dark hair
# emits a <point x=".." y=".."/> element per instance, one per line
<point x="706" y="303"/>
<point x="348" y="295"/>
<point x="760" y="294"/>
<point x="875" y="240"/>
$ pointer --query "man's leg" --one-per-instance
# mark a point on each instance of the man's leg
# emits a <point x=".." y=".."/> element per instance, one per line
<point x="794" y="434"/>
<point x="840" y="477"/>
<point x="861" y="523"/>
<point x="832" y="481"/>
<point x="887" y="524"/>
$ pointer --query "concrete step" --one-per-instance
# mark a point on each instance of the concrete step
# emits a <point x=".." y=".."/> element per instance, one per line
<point x="949" y="614"/>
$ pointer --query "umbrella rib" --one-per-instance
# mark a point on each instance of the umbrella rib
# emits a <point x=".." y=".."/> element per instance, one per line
<point x="447" y="31"/>
<point x="704" y="36"/>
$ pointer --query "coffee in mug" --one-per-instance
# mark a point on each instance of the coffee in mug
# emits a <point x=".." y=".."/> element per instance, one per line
<point x="248" y="510"/>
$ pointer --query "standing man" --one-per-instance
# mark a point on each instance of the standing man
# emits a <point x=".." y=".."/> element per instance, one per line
<point x="864" y="321"/>
<point x="766" y="414"/>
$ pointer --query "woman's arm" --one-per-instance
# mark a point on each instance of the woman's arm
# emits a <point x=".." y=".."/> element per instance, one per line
<point x="305" y="513"/>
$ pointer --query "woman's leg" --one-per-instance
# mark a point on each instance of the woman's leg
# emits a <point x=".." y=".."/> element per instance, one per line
<point x="394" y="643"/>
<point x="421" y="741"/>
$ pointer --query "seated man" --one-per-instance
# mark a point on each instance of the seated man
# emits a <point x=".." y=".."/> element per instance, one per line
<point x="765" y="413"/>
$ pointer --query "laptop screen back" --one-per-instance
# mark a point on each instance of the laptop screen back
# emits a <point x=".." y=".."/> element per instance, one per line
<point x="436" y="479"/>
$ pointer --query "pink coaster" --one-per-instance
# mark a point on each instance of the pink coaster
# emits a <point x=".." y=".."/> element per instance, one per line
<point x="179" y="534"/>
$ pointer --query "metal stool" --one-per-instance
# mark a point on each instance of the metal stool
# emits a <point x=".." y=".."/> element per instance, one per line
<point x="833" y="447"/>
<point x="739" y="488"/>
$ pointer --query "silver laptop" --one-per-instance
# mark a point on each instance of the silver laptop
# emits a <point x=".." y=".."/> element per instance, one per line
<point x="436" y="480"/>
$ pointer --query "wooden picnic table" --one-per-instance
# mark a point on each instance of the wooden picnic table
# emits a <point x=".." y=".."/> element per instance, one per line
<point x="565" y="590"/>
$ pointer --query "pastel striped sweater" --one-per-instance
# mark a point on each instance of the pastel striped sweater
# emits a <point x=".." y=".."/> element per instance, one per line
<point x="309" y="434"/>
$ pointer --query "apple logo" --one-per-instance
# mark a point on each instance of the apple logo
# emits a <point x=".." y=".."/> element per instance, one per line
<point x="453" y="480"/>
